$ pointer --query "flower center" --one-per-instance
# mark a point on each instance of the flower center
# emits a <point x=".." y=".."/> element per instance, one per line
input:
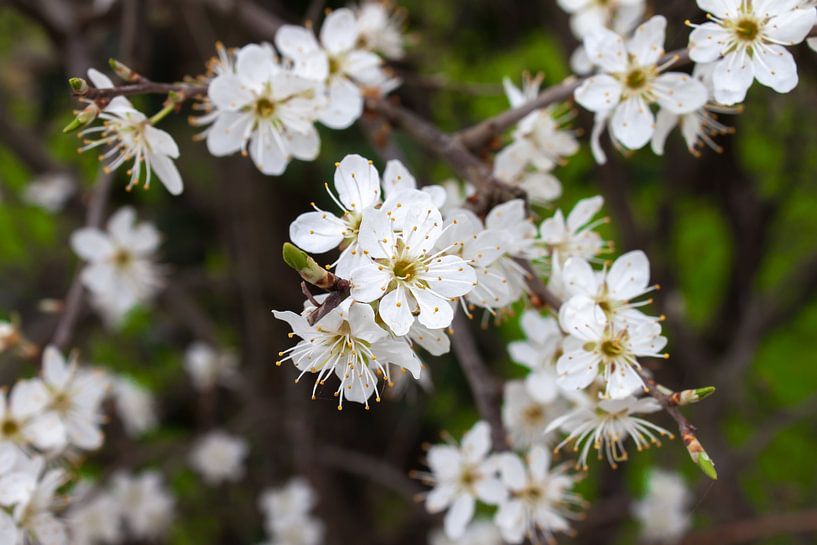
<point x="264" y="107"/>
<point x="636" y="79"/>
<point x="122" y="258"/>
<point x="612" y="348"/>
<point x="747" y="29"/>
<point x="405" y="269"/>
<point x="534" y="413"/>
<point x="9" y="428"/>
<point x="468" y="477"/>
<point x="334" y="65"/>
<point x="532" y="494"/>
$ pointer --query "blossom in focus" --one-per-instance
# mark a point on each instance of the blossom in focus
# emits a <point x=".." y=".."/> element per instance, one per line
<point x="219" y="457"/>
<point x="264" y="109"/>
<point x="131" y="136"/>
<point x="540" y="499"/>
<point x="146" y="504"/>
<point x="664" y="511"/>
<point x="746" y="40"/>
<point x="349" y="344"/>
<point x="49" y="191"/>
<point x="631" y="81"/>
<point x="120" y="270"/>
<point x="600" y="347"/>
<point x="605" y="424"/>
<point x="208" y="367"/>
<point x="404" y="272"/>
<point x="461" y="475"/>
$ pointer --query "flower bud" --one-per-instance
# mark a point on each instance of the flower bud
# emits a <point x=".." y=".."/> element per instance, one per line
<point x="699" y="455"/>
<point x="123" y="71"/>
<point x="83" y="118"/>
<point x="78" y="85"/>
<point x="307" y="267"/>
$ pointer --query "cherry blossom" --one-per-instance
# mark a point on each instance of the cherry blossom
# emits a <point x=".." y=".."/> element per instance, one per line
<point x="219" y="457"/>
<point x="664" y="511"/>
<point x="746" y="40"/>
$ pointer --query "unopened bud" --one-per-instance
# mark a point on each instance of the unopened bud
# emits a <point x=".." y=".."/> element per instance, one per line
<point x="307" y="267"/>
<point x="123" y="71"/>
<point x="688" y="397"/>
<point x="699" y="456"/>
<point x="83" y="118"/>
<point x="78" y="85"/>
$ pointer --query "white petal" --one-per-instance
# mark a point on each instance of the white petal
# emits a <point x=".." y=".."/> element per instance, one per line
<point x="160" y="142"/>
<point x="396" y="178"/>
<point x="732" y="78"/>
<point x="266" y="151"/>
<point x="647" y="43"/>
<point x="579" y="277"/>
<point x="395" y="310"/>
<point x="369" y="282"/>
<point x="434" y="341"/>
<point x="317" y="232"/>
<point x="775" y="68"/>
<point x="599" y="93"/>
<point x="100" y="80"/>
<point x="624" y="381"/>
<point x="91" y="244"/>
<point x="345" y="104"/>
<point x="633" y="123"/>
<point x="435" y="313"/>
<point x="680" y="93"/>
<point x="9" y="533"/>
<point x="255" y="64"/>
<point x="339" y="31"/>
<point x="577" y="370"/>
<point x="793" y="26"/>
<point x="707" y="42"/>
<point x="168" y="174"/>
<point x="606" y="50"/>
<point x="629" y="276"/>
<point x="583" y="212"/>
<point x="228" y="92"/>
<point x="55" y="371"/>
<point x="490" y="491"/>
<point x="476" y="443"/>
<point x="513" y="472"/>
<point x="723" y="9"/>
<point x="304" y="146"/>
<point x="228" y="133"/>
<point x="357" y="183"/>
<point x="450" y="276"/>
<point x="665" y="121"/>
<point x="458" y="516"/>
<point x="375" y="235"/>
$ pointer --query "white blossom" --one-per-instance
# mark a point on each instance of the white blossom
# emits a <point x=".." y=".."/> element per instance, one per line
<point x="349" y="344"/>
<point x="76" y="395"/>
<point x="461" y="475"/>
<point x="526" y="418"/>
<point x="219" y="457"/>
<point x="25" y="418"/>
<point x="266" y="109"/>
<point x="587" y="16"/>
<point x="147" y="506"/>
<point x="604" y="425"/>
<point x="615" y="289"/>
<point x="30" y="491"/>
<point x="574" y="236"/>
<point x="120" y="270"/>
<point x="380" y="28"/>
<point x="540" y="498"/>
<point x="538" y="352"/>
<point x="339" y="60"/>
<point x="598" y="346"/>
<point x="49" y="191"/>
<point x="747" y="41"/>
<point x="208" y="367"/>
<point x="404" y="273"/>
<point x="287" y="514"/>
<point x="95" y="520"/>
<point x="130" y="135"/>
<point x="663" y="512"/>
<point x="135" y="406"/>
<point x="632" y="81"/>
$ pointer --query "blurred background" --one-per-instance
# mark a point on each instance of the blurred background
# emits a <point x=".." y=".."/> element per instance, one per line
<point x="731" y="238"/>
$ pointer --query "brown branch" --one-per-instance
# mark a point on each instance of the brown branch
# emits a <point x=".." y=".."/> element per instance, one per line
<point x="755" y="530"/>
<point x="74" y="300"/>
<point x="484" y="386"/>
<point x="144" y="87"/>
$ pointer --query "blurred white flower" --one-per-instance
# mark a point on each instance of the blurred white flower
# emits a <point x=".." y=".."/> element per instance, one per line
<point x="574" y="236"/>
<point x="145" y="502"/>
<point x="525" y="418"/>
<point x="30" y="491"/>
<point x="96" y="520"/>
<point x="664" y="510"/>
<point x="538" y="352"/>
<point x="49" y="191"/>
<point x="380" y="28"/>
<point x="120" y="270"/>
<point x="219" y="457"/>
<point x="135" y="406"/>
<point x="479" y="532"/>
<point x="25" y="418"/>
<point x="287" y="517"/>
<point x="209" y="367"/>
<point x="461" y="474"/>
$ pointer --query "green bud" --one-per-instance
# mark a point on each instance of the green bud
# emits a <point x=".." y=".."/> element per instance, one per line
<point x="122" y="70"/>
<point x="78" y="85"/>
<point x="83" y="118"/>
<point x="707" y="466"/>
<point x="703" y="393"/>
<point x="307" y="267"/>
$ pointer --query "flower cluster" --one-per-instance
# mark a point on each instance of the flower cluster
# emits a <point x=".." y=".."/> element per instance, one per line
<point x="287" y="514"/>
<point x="534" y="499"/>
